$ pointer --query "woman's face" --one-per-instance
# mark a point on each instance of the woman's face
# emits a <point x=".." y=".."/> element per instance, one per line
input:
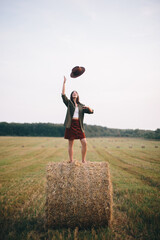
<point x="74" y="94"/>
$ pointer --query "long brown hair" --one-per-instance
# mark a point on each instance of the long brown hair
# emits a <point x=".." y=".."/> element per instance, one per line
<point x="71" y="98"/>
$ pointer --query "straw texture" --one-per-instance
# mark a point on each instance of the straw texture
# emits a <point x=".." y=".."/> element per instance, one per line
<point x="78" y="195"/>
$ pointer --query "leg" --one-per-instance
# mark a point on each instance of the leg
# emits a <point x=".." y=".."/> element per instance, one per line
<point x="70" y="150"/>
<point x="84" y="149"/>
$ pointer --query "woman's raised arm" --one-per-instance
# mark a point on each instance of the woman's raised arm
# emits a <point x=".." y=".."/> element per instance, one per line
<point x="63" y="88"/>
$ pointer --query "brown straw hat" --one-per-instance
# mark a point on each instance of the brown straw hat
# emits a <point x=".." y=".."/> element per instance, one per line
<point x="77" y="71"/>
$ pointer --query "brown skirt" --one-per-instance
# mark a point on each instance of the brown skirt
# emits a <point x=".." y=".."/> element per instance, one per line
<point x="75" y="131"/>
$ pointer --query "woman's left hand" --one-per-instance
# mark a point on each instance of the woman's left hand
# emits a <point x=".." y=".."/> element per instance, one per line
<point x="84" y="107"/>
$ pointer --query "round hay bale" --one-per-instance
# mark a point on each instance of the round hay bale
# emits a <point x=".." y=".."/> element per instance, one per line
<point x="78" y="195"/>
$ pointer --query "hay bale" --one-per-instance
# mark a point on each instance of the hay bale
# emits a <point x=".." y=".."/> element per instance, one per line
<point x="78" y="195"/>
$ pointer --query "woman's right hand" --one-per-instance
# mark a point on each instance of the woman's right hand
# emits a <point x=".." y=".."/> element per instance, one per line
<point x="63" y="88"/>
<point x="65" y="79"/>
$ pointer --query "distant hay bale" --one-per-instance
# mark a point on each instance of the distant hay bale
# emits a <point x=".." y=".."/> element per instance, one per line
<point x="78" y="195"/>
<point x="142" y="146"/>
<point x="156" y="146"/>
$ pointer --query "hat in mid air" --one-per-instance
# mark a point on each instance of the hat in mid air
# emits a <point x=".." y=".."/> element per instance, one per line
<point x="77" y="71"/>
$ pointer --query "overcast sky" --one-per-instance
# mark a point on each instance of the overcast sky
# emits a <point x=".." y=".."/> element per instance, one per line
<point x="118" y="42"/>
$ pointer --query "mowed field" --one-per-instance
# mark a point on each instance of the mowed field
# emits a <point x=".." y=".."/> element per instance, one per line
<point x="135" y="174"/>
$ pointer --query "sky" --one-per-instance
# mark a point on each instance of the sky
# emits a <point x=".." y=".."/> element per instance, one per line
<point x="118" y="43"/>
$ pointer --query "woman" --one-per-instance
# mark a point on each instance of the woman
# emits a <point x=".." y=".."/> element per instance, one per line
<point x="74" y="122"/>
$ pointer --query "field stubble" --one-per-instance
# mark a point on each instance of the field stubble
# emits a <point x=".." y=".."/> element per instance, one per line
<point x="135" y="173"/>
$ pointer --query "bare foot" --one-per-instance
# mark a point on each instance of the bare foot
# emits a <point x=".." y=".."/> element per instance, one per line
<point x="83" y="161"/>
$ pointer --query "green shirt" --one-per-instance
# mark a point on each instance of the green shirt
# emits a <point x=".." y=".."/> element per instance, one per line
<point x="70" y="111"/>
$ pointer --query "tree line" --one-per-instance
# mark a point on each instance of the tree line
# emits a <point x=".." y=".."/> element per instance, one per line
<point x="57" y="130"/>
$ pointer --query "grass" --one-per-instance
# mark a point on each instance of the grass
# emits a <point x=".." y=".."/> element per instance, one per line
<point x="135" y="174"/>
